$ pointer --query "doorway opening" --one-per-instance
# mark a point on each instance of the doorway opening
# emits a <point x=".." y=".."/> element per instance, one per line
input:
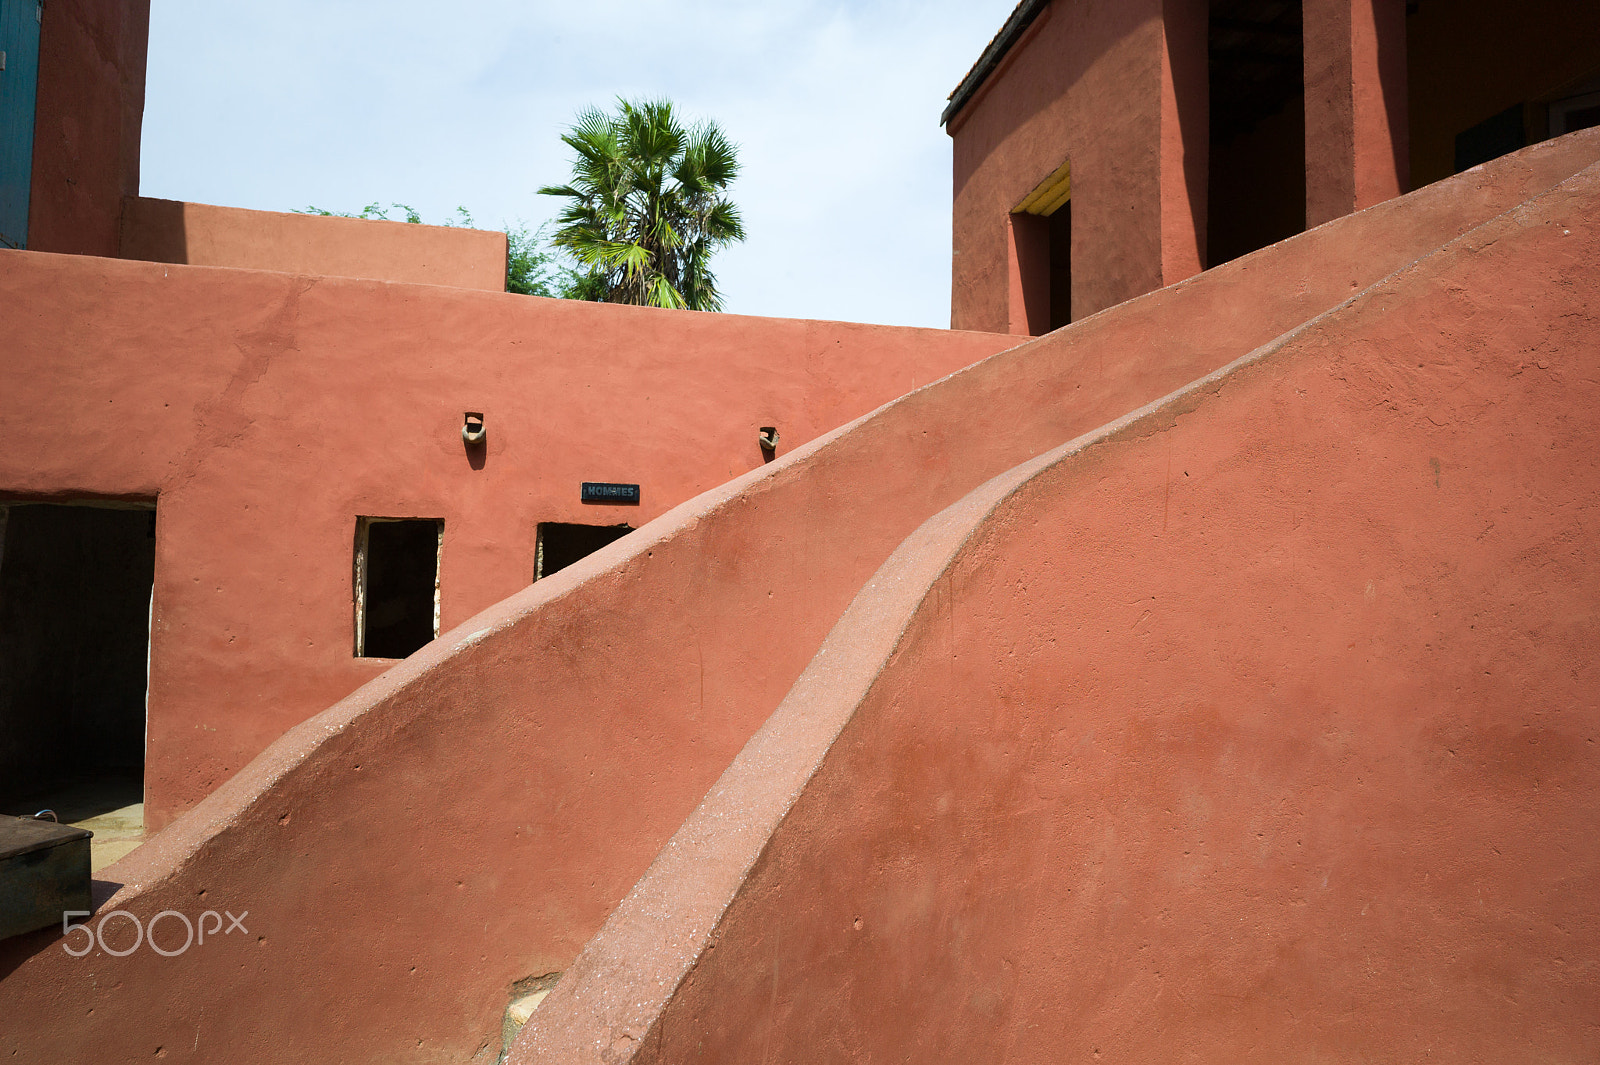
<point x="560" y="544"/>
<point x="1041" y="235"/>
<point x="1257" y="173"/>
<point x="75" y="601"/>
<point x="396" y="585"/>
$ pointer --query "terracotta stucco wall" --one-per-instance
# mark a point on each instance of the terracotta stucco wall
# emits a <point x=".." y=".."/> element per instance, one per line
<point x="1122" y="91"/>
<point x="1356" y="128"/>
<point x="471" y="817"/>
<point x="265" y="412"/>
<point x="1258" y="728"/>
<point x="1086" y="84"/>
<point x="168" y="231"/>
<point x="87" y="122"/>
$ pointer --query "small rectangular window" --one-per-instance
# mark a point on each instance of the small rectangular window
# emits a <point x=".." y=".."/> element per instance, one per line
<point x="1575" y="113"/>
<point x="396" y="585"/>
<point x="561" y="544"/>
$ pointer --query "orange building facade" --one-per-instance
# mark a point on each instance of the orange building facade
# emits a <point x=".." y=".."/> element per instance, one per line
<point x="211" y="418"/>
<point x="1212" y="678"/>
<point x="1103" y="151"/>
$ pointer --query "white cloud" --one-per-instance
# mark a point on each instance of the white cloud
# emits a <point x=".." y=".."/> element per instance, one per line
<point x="846" y="180"/>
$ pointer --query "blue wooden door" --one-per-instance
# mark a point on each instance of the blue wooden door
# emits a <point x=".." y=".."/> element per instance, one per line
<point x="19" y="84"/>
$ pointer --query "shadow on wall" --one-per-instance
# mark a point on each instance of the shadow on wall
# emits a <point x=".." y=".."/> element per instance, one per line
<point x="1470" y="62"/>
<point x="154" y="230"/>
<point x="202" y="234"/>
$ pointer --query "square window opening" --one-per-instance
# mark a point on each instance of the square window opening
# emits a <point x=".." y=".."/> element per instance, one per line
<point x="560" y="544"/>
<point x="396" y="585"/>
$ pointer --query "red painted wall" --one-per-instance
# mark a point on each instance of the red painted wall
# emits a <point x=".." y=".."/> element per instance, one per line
<point x="1257" y="728"/>
<point x="1105" y="86"/>
<point x="1078" y="61"/>
<point x="1122" y="90"/>
<point x="199" y="234"/>
<point x="471" y="817"/>
<point x="87" y="122"/>
<point x="264" y="412"/>
<point x="1185" y="137"/>
<point x="1357" y="129"/>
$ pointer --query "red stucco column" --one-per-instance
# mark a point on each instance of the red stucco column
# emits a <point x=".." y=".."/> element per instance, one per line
<point x="1185" y="138"/>
<point x="87" y="123"/>
<point x="1357" y="145"/>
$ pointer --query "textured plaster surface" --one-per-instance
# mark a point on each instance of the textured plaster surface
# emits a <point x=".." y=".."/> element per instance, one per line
<point x="1121" y="91"/>
<point x="469" y="818"/>
<point x="1257" y="726"/>
<point x="199" y="234"/>
<point x="1083" y="84"/>
<point x="1357" y="129"/>
<point x="88" y="117"/>
<point x="265" y="412"/>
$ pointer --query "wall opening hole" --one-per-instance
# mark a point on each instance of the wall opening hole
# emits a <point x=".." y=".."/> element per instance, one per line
<point x="1060" y="237"/>
<point x="1257" y="184"/>
<point x="1041" y="234"/>
<point x="75" y="598"/>
<point x="397" y="585"/>
<point x="1495" y="136"/>
<point x="560" y="544"/>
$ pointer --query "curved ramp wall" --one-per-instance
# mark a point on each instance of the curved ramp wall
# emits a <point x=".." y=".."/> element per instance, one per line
<point x="1259" y="726"/>
<point x="471" y="817"/>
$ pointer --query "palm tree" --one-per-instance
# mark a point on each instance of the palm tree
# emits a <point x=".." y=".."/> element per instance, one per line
<point x="647" y="207"/>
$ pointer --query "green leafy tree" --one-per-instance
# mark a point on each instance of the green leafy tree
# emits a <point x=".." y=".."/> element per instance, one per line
<point x="647" y="206"/>
<point x="376" y="210"/>
<point x="531" y="268"/>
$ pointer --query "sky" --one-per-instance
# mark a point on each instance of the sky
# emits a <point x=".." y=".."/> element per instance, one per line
<point x="845" y="185"/>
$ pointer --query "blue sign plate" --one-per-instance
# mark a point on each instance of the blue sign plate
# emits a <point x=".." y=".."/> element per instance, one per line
<point x="601" y="492"/>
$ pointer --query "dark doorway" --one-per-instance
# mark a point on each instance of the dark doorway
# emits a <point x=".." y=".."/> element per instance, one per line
<point x="397" y="585"/>
<point x="561" y="544"/>
<point x="75" y="586"/>
<point x="1044" y="260"/>
<point x="1061" y="266"/>
<point x="1257" y="182"/>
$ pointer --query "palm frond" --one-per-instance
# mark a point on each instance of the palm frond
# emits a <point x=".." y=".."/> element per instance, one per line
<point x="646" y="206"/>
